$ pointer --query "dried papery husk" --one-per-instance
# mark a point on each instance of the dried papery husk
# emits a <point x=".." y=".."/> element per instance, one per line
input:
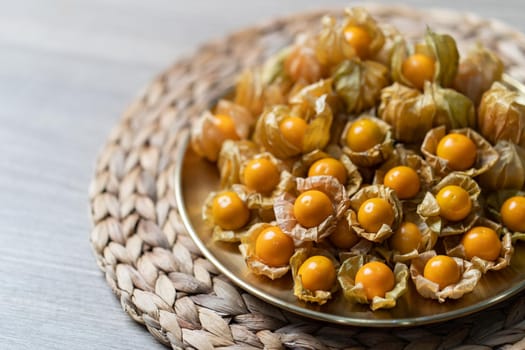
<point x="243" y="119"/>
<point x="353" y="176"/>
<point x="304" y="98"/>
<point x="356" y="293"/>
<point x="262" y="86"/>
<point x="255" y="265"/>
<point x="391" y="33"/>
<point x="406" y="157"/>
<point x="301" y="61"/>
<point x="470" y="276"/>
<point x="317" y="134"/>
<point x="453" y="247"/>
<point x="501" y="115"/>
<point x="375" y="155"/>
<point x="224" y="235"/>
<point x="359" y="83"/>
<point x="332" y="47"/>
<point x="486" y="155"/>
<point x="453" y="109"/>
<point x="231" y="156"/>
<point x="430" y="211"/>
<point x="207" y="138"/>
<point x="286" y="180"/>
<point x="509" y="170"/>
<point x="441" y="47"/>
<point x="360" y="17"/>
<point x="429" y="239"/>
<point x="477" y="71"/>
<point x="268" y="135"/>
<point x="374" y="191"/>
<point x="284" y="204"/>
<point x="409" y="112"/>
<point x="493" y="203"/>
<point x="361" y="248"/>
<point x="318" y="296"/>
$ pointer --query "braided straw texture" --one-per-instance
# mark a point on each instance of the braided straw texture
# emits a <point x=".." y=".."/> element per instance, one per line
<point x="157" y="272"/>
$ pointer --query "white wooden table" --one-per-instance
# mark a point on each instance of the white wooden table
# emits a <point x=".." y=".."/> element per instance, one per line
<point x="67" y="70"/>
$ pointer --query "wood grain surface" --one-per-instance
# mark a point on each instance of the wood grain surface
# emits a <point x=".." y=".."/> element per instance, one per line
<point x="67" y="70"/>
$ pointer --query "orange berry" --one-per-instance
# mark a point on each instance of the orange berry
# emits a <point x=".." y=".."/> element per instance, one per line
<point x="454" y="203"/>
<point x="482" y="242"/>
<point x="317" y="273"/>
<point x="418" y="68"/>
<point x="403" y="180"/>
<point x="443" y="270"/>
<point x="261" y="175"/>
<point x="229" y="211"/>
<point x="293" y="130"/>
<point x="274" y="247"/>
<point x="359" y="39"/>
<point x="406" y="238"/>
<point x="376" y="278"/>
<point x="363" y="135"/>
<point x="513" y="213"/>
<point x="458" y="150"/>
<point x="330" y="167"/>
<point x="312" y="207"/>
<point x="375" y="212"/>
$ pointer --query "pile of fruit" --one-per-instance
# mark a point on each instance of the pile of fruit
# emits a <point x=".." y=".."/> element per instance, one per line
<point x="362" y="163"/>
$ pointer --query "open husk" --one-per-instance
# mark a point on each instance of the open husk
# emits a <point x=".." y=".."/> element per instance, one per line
<point x="359" y="16"/>
<point x="247" y="249"/>
<point x="284" y="204"/>
<point x="509" y="170"/>
<point x="406" y="157"/>
<point x="430" y="211"/>
<point x="231" y="156"/>
<point x="224" y="235"/>
<point x="353" y="176"/>
<point x="441" y="47"/>
<point x="494" y="201"/>
<point x="470" y="276"/>
<point x="501" y="115"/>
<point x="317" y="135"/>
<point x="374" y="191"/>
<point x="428" y="241"/>
<point x="454" y="247"/>
<point x="356" y="293"/>
<point x="486" y="155"/>
<point x="375" y="155"/>
<point x="286" y="183"/>
<point x="317" y="296"/>
<point x="207" y="138"/>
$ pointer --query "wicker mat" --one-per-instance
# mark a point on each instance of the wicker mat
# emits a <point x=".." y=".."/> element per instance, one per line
<point x="160" y="276"/>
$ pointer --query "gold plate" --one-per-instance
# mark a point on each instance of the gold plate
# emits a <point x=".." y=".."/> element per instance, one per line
<point x="195" y="178"/>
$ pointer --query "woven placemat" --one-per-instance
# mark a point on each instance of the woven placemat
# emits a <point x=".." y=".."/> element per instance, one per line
<point x="157" y="272"/>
